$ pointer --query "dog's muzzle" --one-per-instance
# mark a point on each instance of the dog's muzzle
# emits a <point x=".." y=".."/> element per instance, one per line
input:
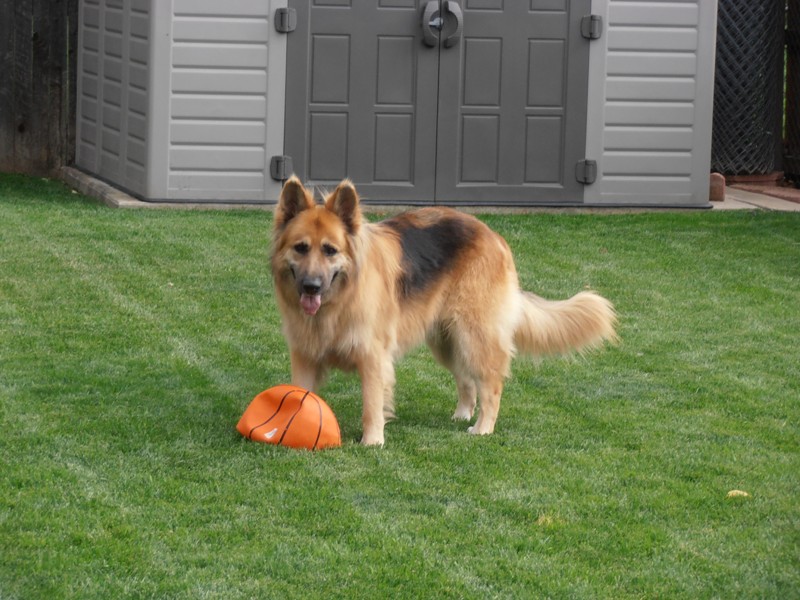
<point x="310" y="289"/>
<point x="311" y="285"/>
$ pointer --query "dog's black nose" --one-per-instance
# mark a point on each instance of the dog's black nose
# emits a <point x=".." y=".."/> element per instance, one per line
<point x="312" y="285"/>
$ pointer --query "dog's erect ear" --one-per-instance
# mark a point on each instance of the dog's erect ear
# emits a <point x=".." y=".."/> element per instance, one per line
<point x="294" y="200"/>
<point x="344" y="203"/>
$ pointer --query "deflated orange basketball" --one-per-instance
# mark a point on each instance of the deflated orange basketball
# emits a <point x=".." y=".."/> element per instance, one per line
<point x="291" y="416"/>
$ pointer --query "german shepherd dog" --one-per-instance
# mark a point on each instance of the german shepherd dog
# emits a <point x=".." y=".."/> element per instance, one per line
<point x="356" y="296"/>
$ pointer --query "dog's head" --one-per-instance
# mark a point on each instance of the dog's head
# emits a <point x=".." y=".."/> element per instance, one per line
<point x="313" y="246"/>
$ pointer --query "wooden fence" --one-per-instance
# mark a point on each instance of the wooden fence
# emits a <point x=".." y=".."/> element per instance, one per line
<point x="38" y="42"/>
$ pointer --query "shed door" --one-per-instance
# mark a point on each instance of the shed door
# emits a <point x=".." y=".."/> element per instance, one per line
<point x="478" y="101"/>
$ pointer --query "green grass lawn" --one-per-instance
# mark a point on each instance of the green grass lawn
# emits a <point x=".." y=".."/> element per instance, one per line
<point x="132" y="341"/>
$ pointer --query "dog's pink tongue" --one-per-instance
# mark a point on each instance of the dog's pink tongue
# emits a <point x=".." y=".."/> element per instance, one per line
<point x="310" y="303"/>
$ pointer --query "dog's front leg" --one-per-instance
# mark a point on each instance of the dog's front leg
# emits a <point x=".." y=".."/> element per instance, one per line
<point x="372" y="391"/>
<point x="305" y="374"/>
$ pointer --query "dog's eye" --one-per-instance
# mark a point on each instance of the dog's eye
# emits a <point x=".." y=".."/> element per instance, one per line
<point x="301" y="248"/>
<point x="329" y="250"/>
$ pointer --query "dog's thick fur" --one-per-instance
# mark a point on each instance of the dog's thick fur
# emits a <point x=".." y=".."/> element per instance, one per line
<point x="356" y="296"/>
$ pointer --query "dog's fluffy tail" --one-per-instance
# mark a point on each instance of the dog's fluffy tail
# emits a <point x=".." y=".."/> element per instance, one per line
<point x="557" y="327"/>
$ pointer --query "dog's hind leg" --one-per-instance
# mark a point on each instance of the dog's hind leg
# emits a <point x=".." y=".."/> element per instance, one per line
<point x="490" y="391"/>
<point x="467" y="398"/>
<point x="442" y="348"/>
<point x="482" y="355"/>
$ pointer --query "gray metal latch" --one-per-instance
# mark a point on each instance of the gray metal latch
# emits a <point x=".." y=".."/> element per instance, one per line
<point x="285" y="20"/>
<point x="592" y="27"/>
<point x="280" y="168"/>
<point x="586" y="171"/>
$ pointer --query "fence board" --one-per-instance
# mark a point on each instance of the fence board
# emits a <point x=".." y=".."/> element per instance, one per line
<point x="38" y="40"/>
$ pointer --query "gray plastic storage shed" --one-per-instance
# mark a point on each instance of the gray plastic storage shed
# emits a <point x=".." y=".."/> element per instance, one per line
<point x="513" y="102"/>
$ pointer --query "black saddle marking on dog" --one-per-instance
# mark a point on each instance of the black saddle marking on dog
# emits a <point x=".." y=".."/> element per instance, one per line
<point x="428" y="251"/>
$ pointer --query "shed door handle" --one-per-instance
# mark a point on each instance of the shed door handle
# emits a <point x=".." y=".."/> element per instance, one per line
<point x="431" y="19"/>
<point x="452" y="7"/>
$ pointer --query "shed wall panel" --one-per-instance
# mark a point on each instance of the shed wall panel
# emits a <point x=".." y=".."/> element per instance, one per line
<point x="215" y="8"/>
<point x="650" y="92"/>
<point x="213" y="107"/>
<point x="187" y="182"/>
<point x="205" y="30"/>
<point x="207" y="132"/>
<point x="224" y="63"/>
<point x="113" y="86"/>
<point x="226" y="56"/>
<point x="181" y="99"/>
<point x="666" y="14"/>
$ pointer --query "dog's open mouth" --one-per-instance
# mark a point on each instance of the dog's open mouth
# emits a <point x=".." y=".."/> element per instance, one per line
<point x="311" y="303"/>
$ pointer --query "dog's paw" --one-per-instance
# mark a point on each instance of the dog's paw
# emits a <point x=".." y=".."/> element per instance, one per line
<point x="476" y="430"/>
<point x="462" y="414"/>
<point x="372" y="440"/>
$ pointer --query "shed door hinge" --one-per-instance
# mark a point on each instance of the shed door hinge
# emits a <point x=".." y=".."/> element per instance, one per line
<point x="280" y="168"/>
<point x="592" y="27"/>
<point x="586" y="171"/>
<point x="285" y="20"/>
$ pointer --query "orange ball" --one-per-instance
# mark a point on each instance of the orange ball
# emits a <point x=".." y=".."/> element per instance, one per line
<point x="291" y="416"/>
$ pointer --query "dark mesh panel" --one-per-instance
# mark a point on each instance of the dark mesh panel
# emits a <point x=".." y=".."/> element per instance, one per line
<point x="747" y="94"/>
